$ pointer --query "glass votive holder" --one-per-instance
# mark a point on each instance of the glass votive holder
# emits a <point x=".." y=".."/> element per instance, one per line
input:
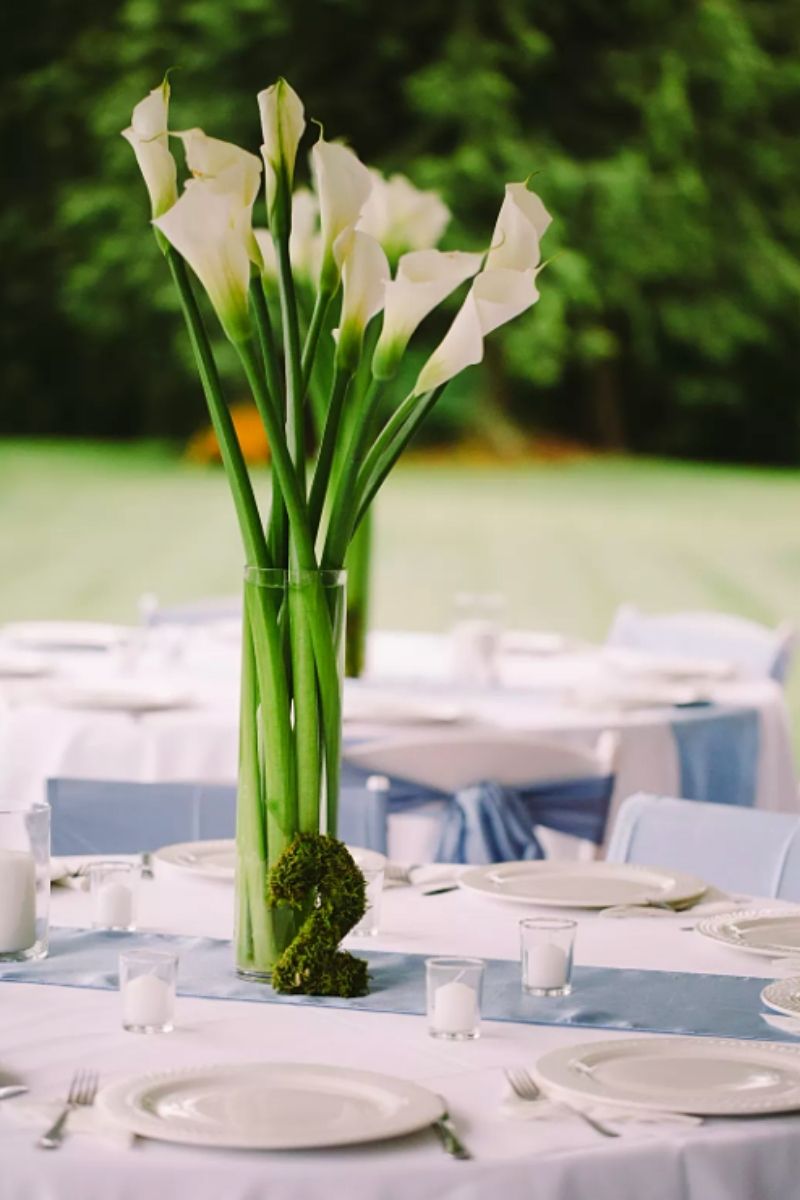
<point x="454" y="988"/>
<point x="24" y="881"/>
<point x="547" y="945"/>
<point x="370" y="922"/>
<point x="114" y="890"/>
<point x="147" y="981"/>
<point x="475" y="638"/>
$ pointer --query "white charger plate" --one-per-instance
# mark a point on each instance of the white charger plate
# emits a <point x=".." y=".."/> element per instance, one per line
<point x="217" y="859"/>
<point x="706" y="1077"/>
<point x="269" y="1106"/>
<point x="564" y="884"/>
<point x="66" y="635"/>
<point x="767" y="931"/>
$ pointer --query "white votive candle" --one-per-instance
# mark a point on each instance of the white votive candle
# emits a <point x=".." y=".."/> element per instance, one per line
<point x="17" y="901"/>
<point x="545" y="967"/>
<point x="454" y="1008"/>
<point x="114" y="906"/>
<point x="147" y="1001"/>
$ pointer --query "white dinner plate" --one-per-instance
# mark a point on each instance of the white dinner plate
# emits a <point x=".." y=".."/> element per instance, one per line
<point x="633" y="695"/>
<point x="667" y="666"/>
<point x="120" y="695"/>
<point x="22" y="664"/>
<point x="707" y="1077"/>
<point x="767" y="931"/>
<point x="366" y="705"/>
<point x="66" y="635"/>
<point x="269" y="1106"/>
<point x="564" y="884"/>
<point x="537" y="643"/>
<point x="217" y="859"/>
<point x="783" y="995"/>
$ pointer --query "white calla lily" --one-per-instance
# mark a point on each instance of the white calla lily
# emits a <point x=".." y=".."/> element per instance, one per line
<point x="147" y="134"/>
<point x="496" y="296"/>
<point x="365" y="273"/>
<point x="401" y="216"/>
<point x="211" y="230"/>
<point x="282" y="126"/>
<point x="424" y="279"/>
<point x="521" y="224"/>
<point x="224" y="166"/>
<point x="343" y="185"/>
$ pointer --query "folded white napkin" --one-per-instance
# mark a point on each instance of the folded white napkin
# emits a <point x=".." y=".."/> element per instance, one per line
<point x="711" y="903"/>
<point x="546" y="1109"/>
<point x="87" y="1120"/>
<point x="420" y="874"/>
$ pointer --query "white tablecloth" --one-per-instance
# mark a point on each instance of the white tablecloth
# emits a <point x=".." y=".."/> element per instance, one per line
<point x="47" y="1032"/>
<point x="41" y="736"/>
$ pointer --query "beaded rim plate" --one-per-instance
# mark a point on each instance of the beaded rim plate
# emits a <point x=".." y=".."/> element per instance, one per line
<point x="755" y="930"/>
<point x="217" y="859"/>
<point x="563" y="884"/>
<point x="705" y="1077"/>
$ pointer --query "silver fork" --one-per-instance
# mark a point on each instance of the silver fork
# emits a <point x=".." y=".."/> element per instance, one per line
<point x="524" y="1087"/>
<point x="82" y="1091"/>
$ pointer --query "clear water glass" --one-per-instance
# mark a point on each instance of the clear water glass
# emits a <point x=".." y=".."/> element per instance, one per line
<point x="454" y="991"/>
<point x="147" y="980"/>
<point x="114" y="890"/>
<point x="546" y="949"/>
<point x="475" y="638"/>
<point x="24" y="881"/>
<point x="369" y="924"/>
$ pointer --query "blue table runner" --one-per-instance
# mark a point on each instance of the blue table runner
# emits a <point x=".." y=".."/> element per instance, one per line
<point x="603" y="997"/>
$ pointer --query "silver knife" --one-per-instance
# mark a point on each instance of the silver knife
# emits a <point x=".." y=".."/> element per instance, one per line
<point x="450" y="1140"/>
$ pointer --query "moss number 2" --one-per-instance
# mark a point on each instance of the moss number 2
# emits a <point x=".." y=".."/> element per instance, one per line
<point x="318" y="870"/>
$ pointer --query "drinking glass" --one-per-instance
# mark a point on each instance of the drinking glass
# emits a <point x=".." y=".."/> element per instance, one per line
<point x="475" y="638"/>
<point x="369" y="923"/>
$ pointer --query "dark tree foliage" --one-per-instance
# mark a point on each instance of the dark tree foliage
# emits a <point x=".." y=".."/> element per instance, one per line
<point x="663" y="135"/>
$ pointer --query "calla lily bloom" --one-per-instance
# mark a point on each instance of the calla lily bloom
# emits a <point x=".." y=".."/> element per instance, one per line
<point x="365" y="273"/>
<point x="224" y="166"/>
<point x="148" y="136"/>
<point x="496" y="296"/>
<point x="282" y="126"/>
<point x="343" y="184"/>
<point x="211" y="230"/>
<point x="424" y="279"/>
<point x="401" y="216"/>
<point x="521" y="224"/>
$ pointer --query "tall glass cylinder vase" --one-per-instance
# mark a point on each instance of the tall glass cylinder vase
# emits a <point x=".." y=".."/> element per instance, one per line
<point x="24" y="882"/>
<point x="290" y="732"/>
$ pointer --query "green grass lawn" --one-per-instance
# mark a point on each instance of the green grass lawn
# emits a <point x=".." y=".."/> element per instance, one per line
<point x="85" y="529"/>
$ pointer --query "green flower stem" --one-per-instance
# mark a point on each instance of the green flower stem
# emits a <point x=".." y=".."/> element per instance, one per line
<point x="278" y="529"/>
<point x="340" y="526"/>
<point x="389" y="445"/>
<point x="322" y="303"/>
<point x="253" y="928"/>
<point x="316" y="609"/>
<point x="322" y="471"/>
<point x="292" y="355"/>
<point x="232" y="458"/>
<point x="271" y="674"/>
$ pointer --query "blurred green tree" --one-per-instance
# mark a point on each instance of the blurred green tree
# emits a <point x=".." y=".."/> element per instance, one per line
<point x="662" y="134"/>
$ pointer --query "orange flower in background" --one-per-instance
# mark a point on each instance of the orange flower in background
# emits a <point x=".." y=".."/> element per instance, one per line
<point x="204" y="448"/>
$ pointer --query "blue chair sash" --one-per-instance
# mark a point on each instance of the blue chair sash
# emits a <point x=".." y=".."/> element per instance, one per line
<point x="718" y="753"/>
<point x="487" y="822"/>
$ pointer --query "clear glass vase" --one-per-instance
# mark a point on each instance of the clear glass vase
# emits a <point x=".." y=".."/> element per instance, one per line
<point x="24" y="882"/>
<point x="290" y="736"/>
